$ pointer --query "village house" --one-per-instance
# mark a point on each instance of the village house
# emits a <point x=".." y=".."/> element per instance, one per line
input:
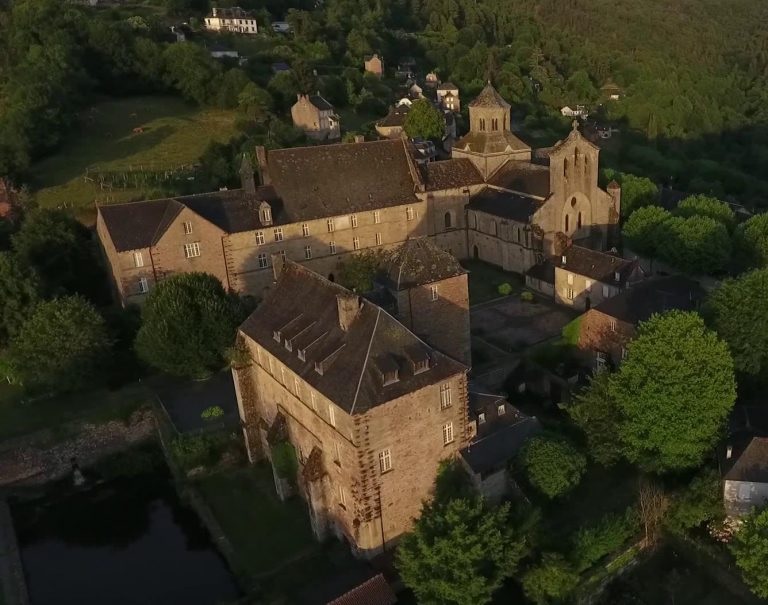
<point x="373" y="64"/>
<point x="316" y="117"/>
<point x="579" y="112"/>
<point x="233" y="19"/>
<point x="391" y="125"/>
<point x="746" y="481"/>
<point x="606" y="329"/>
<point x="366" y="408"/>
<point x="495" y="200"/>
<point x="448" y="97"/>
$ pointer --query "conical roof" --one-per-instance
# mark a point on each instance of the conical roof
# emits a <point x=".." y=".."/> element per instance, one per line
<point x="489" y="97"/>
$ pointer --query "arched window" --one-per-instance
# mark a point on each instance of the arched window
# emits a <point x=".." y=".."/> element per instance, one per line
<point x="494" y="124"/>
<point x="566" y="224"/>
<point x="482" y="124"/>
<point x="565" y="168"/>
<point x="448" y="220"/>
<point x="576" y="157"/>
<point x="578" y="221"/>
<point x="586" y="164"/>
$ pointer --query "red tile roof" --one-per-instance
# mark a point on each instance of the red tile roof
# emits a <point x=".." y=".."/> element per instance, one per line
<point x="375" y="591"/>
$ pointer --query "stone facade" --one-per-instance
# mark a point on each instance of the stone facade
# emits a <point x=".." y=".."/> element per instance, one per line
<point x="233" y="19"/>
<point x="373" y="64"/>
<point x="316" y="117"/>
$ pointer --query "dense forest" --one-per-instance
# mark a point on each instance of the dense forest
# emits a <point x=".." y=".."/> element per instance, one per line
<point x="692" y="115"/>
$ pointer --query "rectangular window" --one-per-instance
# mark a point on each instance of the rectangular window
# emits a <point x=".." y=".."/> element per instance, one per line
<point x="409" y="213"/>
<point x="445" y="396"/>
<point x="143" y="285"/>
<point x="356" y="243"/>
<point x="588" y="284"/>
<point x="187" y="227"/>
<point x="297" y="386"/>
<point x="305" y="230"/>
<point x="307" y="252"/>
<point x="385" y="460"/>
<point x="332" y="247"/>
<point x="269" y="364"/>
<point x="138" y="259"/>
<point x="331" y="227"/>
<point x="337" y="453"/>
<point x="606" y="291"/>
<point x="570" y="279"/>
<point x="342" y="497"/>
<point x="376" y="217"/>
<point x="331" y="415"/>
<point x="263" y="262"/>
<point x="378" y="239"/>
<point x="501" y="410"/>
<point x="447" y="433"/>
<point x="433" y="293"/>
<point x="481" y="418"/>
<point x="278" y="234"/>
<point x="312" y="400"/>
<point x="192" y="250"/>
<point x="569" y="293"/>
<point x="259" y="238"/>
<point x="282" y="255"/>
<point x="623" y="353"/>
<point x="613" y="325"/>
<point x="600" y="360"/>
<point x="353" y="220"/>
<point x="282" y="375"/>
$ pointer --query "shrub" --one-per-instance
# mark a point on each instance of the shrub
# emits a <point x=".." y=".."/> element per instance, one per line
<point x="505" y="289"/>
<point x="526" y="296"/>
<point x="553" y="466"/>
<point x="550" y="581"/>
<point x="193" y="451"/>
<point x="212" y="413"/>
<point x="590" y="544"/>
<point x="284" y="460"/>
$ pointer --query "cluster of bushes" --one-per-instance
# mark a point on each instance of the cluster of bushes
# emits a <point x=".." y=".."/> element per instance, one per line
<point x="202" y="450"/>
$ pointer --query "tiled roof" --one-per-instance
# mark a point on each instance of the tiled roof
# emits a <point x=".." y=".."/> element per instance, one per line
<point x="137" y="225"/>
<point x="331" y="180"/>
<point x="418" y="261"/>
<point x="447" y="86"/>
<point x="489" y="97"/>
<point x="524" y="177"/>
<point x="234" y="12"/>
<point x="496" y="449"/>
<point x="375" y="591"/>
<point x="505" y="205"/>
<point x="352" y="359"/>
<point x="642" y="300"/>
<point x="752" y="465"/>
<point x="395" y="117"/>
<point x="450" y="174"/>
<point x="600" y="266"/>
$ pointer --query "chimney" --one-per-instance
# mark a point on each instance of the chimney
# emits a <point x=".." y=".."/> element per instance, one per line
<point x="278" y="262"/>
<point x="359" y="138"/>
<point x="348" y="305"/>
<point x="215" y="11"/>
<point x="261" y="159"/>
<point x="729" y="452"/>
<point x="563" y="259"/>
<point x="617" y="276"/>
<point x="247" y="179"/>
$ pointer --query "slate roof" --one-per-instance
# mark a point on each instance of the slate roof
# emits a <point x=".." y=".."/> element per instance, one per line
<point x="352" y="361"/>
<point x="505" y="204"/>
<point x="137" y="225"/>
<point x="495" y="450"/>
<point x="490" y="142"/>
<point x="330" y="180"/>
<point x="524" y="177"/>
<point x="319" y="102"/>
<point x="544" y="271"/>
<point x="642" y="300"/>
<point x="395" y="117"/>
<point x="447" y="86"/>
<point x="418" y="261"/>
<point x="375" y="591"/>
<point x="752" y="465"/>
<point x="234" y="12"/>
<point x="489" y="97"/>
<point x="600" y="266"/>
<point x="451" y="174"/>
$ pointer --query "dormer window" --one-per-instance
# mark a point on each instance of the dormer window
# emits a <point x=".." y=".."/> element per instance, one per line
<point x="265" y="214"/>
<point x="276" y="335"/>
<point x="420" y="366"/>
<point x="388" y="369"/>
<point x="617" y="276"/>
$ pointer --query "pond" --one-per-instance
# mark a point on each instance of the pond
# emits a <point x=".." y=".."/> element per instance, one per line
<point x="128" y="541"/>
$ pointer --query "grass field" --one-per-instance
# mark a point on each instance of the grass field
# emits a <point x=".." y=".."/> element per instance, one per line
<point x="485" y="279"/>
<point x="174" y="134"/>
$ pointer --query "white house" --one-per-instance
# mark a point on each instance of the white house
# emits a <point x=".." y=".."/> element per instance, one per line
<point x="579" y="112"/>
<point x="746" y="483"/>
<point x="233" y="19"/>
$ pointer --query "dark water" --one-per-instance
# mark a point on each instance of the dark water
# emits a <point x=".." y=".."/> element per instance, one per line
<point x="130" y="541"/>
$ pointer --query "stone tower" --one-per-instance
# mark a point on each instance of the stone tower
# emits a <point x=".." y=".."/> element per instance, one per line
<point x="490" y="142"/>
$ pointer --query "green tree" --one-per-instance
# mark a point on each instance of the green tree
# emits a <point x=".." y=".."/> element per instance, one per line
<point x="21" y="293"/>
<point x="61" y="347"/>
<point x="553" y="466"/>
<point x="358" y="271"/>
<point x="636" y="191"/>
<point x="738" y="312"/>
<point x="254" y="102"/>
<point x="191" y="71"/>
<point x="674" y="392"/>
<point x="459" y="552"/>
<point x="699" y="501"/>
<point x="424" y="121"/>
<point x="646" y="230"/>
<point x="750" y="548"/>
<point x="551" y="581"/>
<point x="187" y="324"/>
<point x="752" y="241"/>
<point x="58" y="249"/>
<point x="704" y="205"/>
<point x="595" y="412"/>
<point x="698" y="244"/>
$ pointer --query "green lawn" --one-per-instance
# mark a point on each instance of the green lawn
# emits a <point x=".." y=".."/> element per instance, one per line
<point x="20" y="417"/>
<point x="485" y="279"/>
<point x="174" y="134"/>
<point x="264" y="532"/>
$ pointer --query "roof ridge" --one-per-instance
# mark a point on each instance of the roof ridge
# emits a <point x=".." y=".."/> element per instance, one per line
<point x="365" y="361"/>
<point x="177" y="206"/>
<point x="319" y="147"/>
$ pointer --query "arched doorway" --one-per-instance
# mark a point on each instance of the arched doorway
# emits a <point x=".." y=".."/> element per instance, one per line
<point x="475" y="253"/>
<point x="331" y="277"/>
<point x="448" y="221"/>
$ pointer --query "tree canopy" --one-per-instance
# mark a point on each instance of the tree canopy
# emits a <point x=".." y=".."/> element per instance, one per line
<point x="459" y="552"/>
<point x="705" y="205"/>
<point x="424" y="121"/>
<point x="674" y="392"/>
<point x="738" y="311"/>
<point x="552" y="580"/>
<point x="20" y="293"/>
<point x="645" y="230"/>
<point x="61" y="347"/>
<point x="750" y="548"/>
<point x="594" y="412"/>
<point x="553" y="466"/>
<point x="636" y="191"/>
<point x="752" y="241"/>
<point x="187" y="324"/>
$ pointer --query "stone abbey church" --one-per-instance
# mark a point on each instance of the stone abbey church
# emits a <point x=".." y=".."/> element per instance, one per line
<point x="496" y="199"/>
